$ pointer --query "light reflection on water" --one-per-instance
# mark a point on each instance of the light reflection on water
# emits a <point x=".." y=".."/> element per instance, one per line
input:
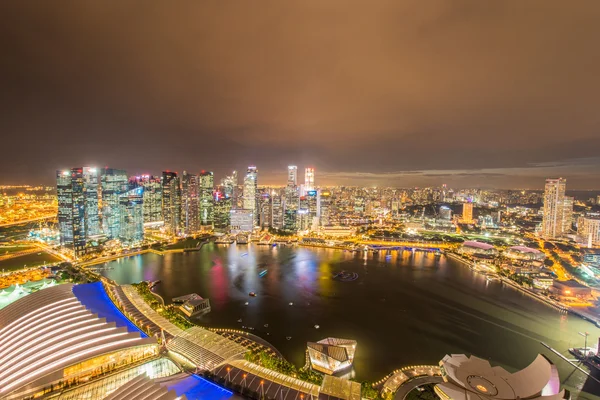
<point x="405" y="309"/>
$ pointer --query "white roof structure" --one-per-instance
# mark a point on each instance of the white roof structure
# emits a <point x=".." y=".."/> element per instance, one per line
<point x="474" y="378"/>
<point x="47" y="331"/>
<point x="142" y="388"/>
<point x="205" y="348"/>
<point x="478" y="245"/>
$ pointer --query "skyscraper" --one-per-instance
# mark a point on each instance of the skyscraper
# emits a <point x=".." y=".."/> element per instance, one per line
<point x="207" y="186"/>
<point x="264" y="205"/>
<point x="230" y="186"/>
<point x="114" y="183"/>
<point x="91" y="188"/>
<point x="71" y="209"/>
<point x="567" y="214"/>
<point x="222" y="210"/>
<point x="250" y="191"/>
<point x="190" y="202"/>
<point x="131" y="217"/>
<point x="309" y="179"/>
<point x="292" y="179"/>
<point x="277" y="211"/>
<point x="324" y="208"/>
<point x="467" y="213"/>
<point x="152" y="201"/>
<point x="171" y="202"/>
<point x="554" y="198"/>
<point x="588" y="231"/>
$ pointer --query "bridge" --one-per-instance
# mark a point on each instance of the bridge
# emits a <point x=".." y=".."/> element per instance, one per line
<point x="405" y="244"/>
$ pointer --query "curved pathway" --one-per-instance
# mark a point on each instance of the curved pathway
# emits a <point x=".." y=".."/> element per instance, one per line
<point x="412" y="384"/>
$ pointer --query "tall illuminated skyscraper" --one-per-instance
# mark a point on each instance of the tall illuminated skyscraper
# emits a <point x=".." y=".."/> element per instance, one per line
<point x="152" y="202"/>
<point x="190" y="202"/>
<point x="467" y="213"/>
<point x="171" y="202"/>
<point x="91" y="188"/>
<point x="309" y="179"/>
<point x="222" y="210"/>
<point x="324" y="208"/>
<point x="71" y="209"/>
<point x="131" y="217"/>
<point x="250" y="192"/>
<point x="207" y="186"/>
<point x="114" y="183"/>
<point x="554" y="199"/>
<point x="292" y="179"/>
<point x="567" y="214"/>
<point x="230" y="186"/>
<point x="277" y="211"/>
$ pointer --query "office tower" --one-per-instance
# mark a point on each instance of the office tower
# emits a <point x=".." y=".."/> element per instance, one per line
<point x="277" y="211"/>
<point x="312" y="200"/>
<point x="324" y="208"/>
<point x="554" y="198"/>
<point x="91" y="187"/>
<point x="207" y="186"/>
<point x="114" y="183"/>
<point x="171" y="202"/>
<point x="588" y="231"/>
<point x="222" y="210"/>
<point x="467" y="213"/>
<point x="71" y="209"/>
<point x="190" y="203"/>
<point x="152" y="197"/>
<point x="291" y="205"/>
<point x="230" y="186"/>
<point x="303" y="218"/>
<point x="567" y="214"/>
<point x="292" y="178"/>
<point x="264" y="207"/>
<point x="309" y="179"/>
<point x="131" y="217"/>
<point x="251" y="191"/>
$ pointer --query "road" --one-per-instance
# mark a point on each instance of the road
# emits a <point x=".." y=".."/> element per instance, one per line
<point x="26" y="221"/>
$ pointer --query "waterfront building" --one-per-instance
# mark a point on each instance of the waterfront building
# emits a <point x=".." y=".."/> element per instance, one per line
<point x="171" y="202"/>
<point x="265" y="208"/>
<point x="522" y="253"/>
<point x="67" y="209"/>
<point x="309" y="179"/>
<point x="467" y="213"/>
<point x="54" y="338"/>
<point x="588" y="231"/>
<point x="114" y="183"/>
<point x="91" y="189"/>
<point x="222" y="210"/>
<point x="190" y="202"/>
<point x="292" y="177"/>
<point x="474" y="378"/>
<point x="131" y="215"/>
<point x="571" y="288"/>
<point x="553" y="218"/>
<point x="331" y="355"/>
<point x="291" y="206"/>
<point x="337" y="231"/>
<point x="480" y="249"/>
<point x="207" y="186"/>
<point x="195" y="306"/>
<point x="241" y="221"/>
<point x="324" y="208"/>
<point x="251" y="191"/>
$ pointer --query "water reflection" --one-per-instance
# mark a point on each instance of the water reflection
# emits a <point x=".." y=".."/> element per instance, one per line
<point x="403" y="308"/>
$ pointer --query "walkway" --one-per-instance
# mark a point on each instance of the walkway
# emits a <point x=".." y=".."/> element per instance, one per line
<point x="412" y="384"/>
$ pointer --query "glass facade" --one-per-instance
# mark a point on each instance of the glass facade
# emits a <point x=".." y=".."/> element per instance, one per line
<point x="131" y="216"/>
<point x="190" y="199"/>
<point x="171" y="202"/>
<point x="207" y="183"/>
<point x="91" y="187"/>
<point x="250" y="191"/>
<point x="222" y="213"/>
<point x="114" y="184"/>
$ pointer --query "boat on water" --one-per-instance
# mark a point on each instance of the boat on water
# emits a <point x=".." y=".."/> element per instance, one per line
<point x="263" y="272"/>
<point x="317" y="326"/>
<point x="246" y="303"/>
<point x="291" y="304"/>
<point x="252" y="294"/>
<point x="266" y="325"/>
<point x="288" y="337"/>
<point x="240" y="320"/>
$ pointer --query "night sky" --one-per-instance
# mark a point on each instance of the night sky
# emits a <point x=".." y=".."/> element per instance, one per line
<point x="399" y="93"/>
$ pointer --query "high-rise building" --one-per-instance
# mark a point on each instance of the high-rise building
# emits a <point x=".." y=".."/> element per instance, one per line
<point x="554" y="199"/>
<point x="264" y="205"/>
<point x="114" y="183"/>
<point x="446" y="213"/>
<point x="71" y="209"/>
<point x="309" y="179"/>
<point x="222" y="210"/>
<point x="251" y="191"/>
<point x="277" y="211"/>
<point x="152" y="201"/>
<point x="567" y="214"/>
<point x="207" y="186"/>
<point x="91" y="188"/>
<point x="190" y="202"/>
<point x="324" y="208"/>
<point x="171" y="202"/>
<point x="588" y="231"/>
<point x="241" y="221"/>
<point x="467" y="213"/>
<point x="230" y="186"/>
<point x="292" y="177"/>
<point x="131" y="217"/>
<point x="312" y="199"/>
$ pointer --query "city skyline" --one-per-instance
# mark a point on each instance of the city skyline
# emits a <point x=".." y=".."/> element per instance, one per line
<point x="398" y="94"/>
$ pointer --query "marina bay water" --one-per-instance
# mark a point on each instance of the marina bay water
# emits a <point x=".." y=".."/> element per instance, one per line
<point x="403" y="308"/>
